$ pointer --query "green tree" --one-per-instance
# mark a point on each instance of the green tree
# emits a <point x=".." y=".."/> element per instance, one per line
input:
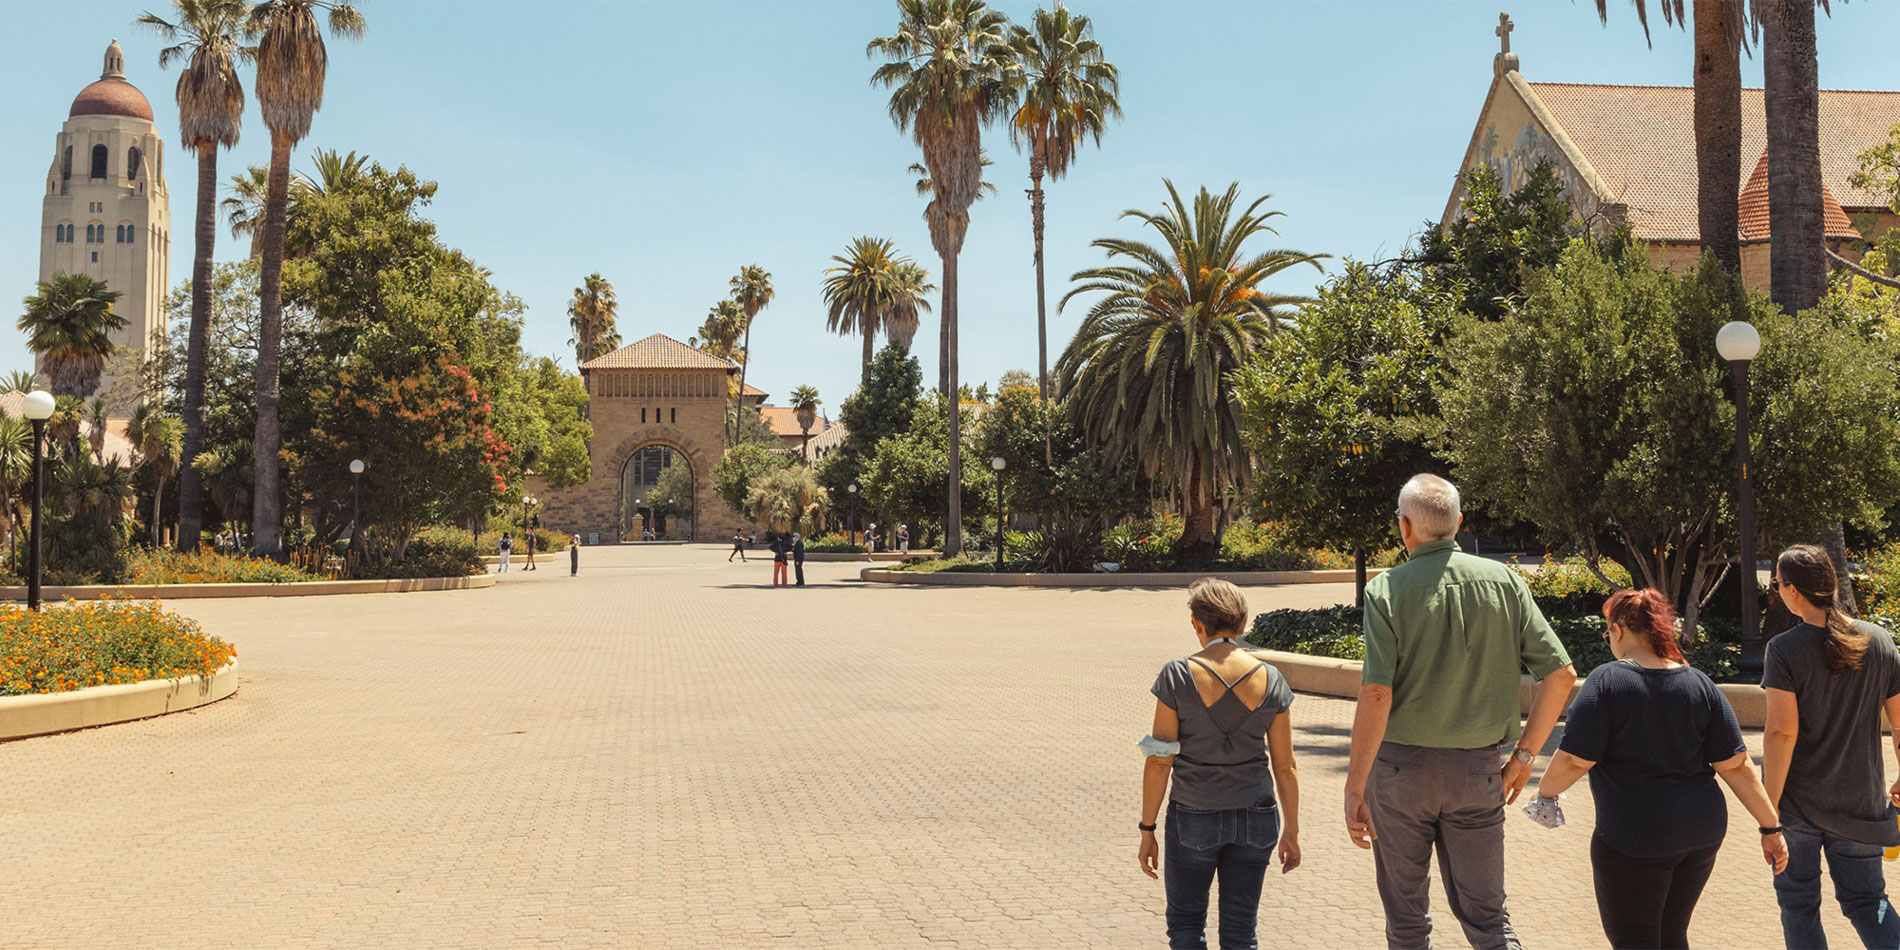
<point x="16" y="474"/>
<point x="159" y="441"/>
<point x="1149" y="371"/>
<point x="672" y="496"/>
<point x="874" y="289"/>
<point x="788" y="499"/>
<point x="591" y="315"/>
<point x="1055" y="473"/>
<point x="1069" y="92"/>
<point x="882" y="406"/>
<point x="951" y="71"/>
<point x="908" y="475"/>
<point x="805" y="404"/>
<point x="208" y="37"/>
<point x="291" y="68"/>
<point x="1630" y="458"/>
<point x="68" y="324"/>
<point x="740" y="467"/>
<point x="752" y="291"/>
<point x="86" y="507"/>
<point x="1339" y="410"/>
<point x="1483" y="255"/>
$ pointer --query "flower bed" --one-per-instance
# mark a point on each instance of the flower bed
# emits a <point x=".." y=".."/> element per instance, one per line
<point x="99" y="643"/>
<point x="834" y="544"/>
<point x="207" y="567"/>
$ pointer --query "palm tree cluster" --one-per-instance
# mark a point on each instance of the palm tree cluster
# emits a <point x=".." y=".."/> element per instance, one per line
<point x="591" y="315"/>
<point x="875" y="290"/>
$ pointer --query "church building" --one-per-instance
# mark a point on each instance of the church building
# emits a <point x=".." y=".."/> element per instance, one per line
<point x="1626" y="156"/>
<point x="658" y="408"/>
<point x="106" y="213"/>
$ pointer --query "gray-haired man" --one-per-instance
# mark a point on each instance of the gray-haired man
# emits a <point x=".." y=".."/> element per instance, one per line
<point x="1447" y="635"/>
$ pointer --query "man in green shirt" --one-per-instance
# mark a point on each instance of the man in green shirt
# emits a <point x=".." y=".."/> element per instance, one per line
<point x="1447" y="635"/>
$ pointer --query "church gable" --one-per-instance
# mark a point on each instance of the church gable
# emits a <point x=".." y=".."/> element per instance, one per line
<point x="1515" y="132"/>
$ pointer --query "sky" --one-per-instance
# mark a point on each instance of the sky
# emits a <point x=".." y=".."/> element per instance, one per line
<point x="666" y="144"/>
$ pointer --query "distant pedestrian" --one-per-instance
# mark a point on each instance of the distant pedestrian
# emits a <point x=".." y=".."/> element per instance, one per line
<point x="1828" y="680"/>
<point x="780" y="547"/>
<point x="738" y="547"/>
<point x="507" y="545"/>
<point x="1653" y="733"/>
<point x="530" y="565"/>
<point x="1222" y="733"/>
<point x="574" y="557"/>
<point x="751" y="539"/>
<point x="903" y="538"/>
<point x="798" y="557"/>
<point x="872" y="537"/>
<point x="1446" y="637"/>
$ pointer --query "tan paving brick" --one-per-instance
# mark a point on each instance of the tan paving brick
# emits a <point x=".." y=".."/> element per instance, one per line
<point x="667" y="752"/>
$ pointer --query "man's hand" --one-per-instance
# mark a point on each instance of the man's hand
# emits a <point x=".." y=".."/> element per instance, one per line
<point x="1516" y="775"/>
<point x="1359" y="820"/>
<point x="1775" y="848"/>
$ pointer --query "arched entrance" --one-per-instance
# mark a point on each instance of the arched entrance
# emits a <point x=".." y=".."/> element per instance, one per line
<point x="656" y="495"/>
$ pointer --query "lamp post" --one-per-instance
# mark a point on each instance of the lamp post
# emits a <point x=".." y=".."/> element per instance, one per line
<point x="37" y="407"/>
<point x="1738" y="342"/>
<point x="356" y="509"/>
<point x="856" y="522"/>
<point x="999" y="463"/>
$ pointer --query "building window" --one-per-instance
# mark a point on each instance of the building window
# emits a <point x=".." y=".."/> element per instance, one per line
<point x="88" y="234"/>
<point x="95" y="257"/>
<point x="66" y="165"/>
<point x="643" y="414"/>
<point x="673" y="415"/>
<point x="129" y="232"/>
<point x="98" y="161"/>
<point x="132" y="163"/>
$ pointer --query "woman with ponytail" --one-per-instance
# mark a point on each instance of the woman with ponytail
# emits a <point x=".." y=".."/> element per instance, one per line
<point x="1828" y="679"/>
<point x="1653" y="733"/>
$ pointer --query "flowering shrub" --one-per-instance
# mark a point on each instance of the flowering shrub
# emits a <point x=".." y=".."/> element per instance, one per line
<point x="99" y="643"/>
<point x="145" y="566"/>
<point x="833" y="544"/>
<point x="1879" y="587"/>
<point x="1559" y="578"/>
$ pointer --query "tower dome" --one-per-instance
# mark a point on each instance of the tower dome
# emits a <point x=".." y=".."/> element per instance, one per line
<point x="111" y="94"/>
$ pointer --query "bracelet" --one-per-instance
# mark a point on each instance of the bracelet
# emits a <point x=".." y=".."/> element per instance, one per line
<point x="1144" y="827"/>
<point x="1771" y="831"/>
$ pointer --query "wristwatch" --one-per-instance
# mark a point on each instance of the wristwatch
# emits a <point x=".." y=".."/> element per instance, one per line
<point x="1526" y="756"/>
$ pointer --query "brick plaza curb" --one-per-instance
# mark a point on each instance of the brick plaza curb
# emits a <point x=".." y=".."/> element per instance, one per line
<point x="293" y="589"/>
<point x="1169" y="579"/>
<point x="861" y="555"/>
<point x="1334" y="677"/>
<point x="39" y="714"/>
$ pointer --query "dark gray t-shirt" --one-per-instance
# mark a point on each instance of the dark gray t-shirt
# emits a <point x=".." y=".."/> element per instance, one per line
<point x="1837" y="781"/>
<point x="1223" y="757"/>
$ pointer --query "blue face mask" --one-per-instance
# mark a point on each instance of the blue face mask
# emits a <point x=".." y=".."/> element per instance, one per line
<point x="1154" y="747"/>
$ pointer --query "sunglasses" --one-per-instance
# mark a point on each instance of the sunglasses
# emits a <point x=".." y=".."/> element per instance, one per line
<point x="1774" y="585"/>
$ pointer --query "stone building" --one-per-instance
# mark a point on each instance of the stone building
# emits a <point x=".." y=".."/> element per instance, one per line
<point x="1626" y="156"/>
<point x="658" y="410"/>
<point x="106" y="213"/>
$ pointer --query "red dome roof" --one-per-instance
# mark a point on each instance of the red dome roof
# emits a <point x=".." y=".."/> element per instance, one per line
<point x="112" y="97"/>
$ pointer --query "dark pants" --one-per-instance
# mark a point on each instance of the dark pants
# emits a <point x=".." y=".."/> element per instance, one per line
<point x="1859" y="885"/>
<point x="1451" y="800"/>
<point x="1236" y="845"/>
<point x="798" y="568"/>
<point x="1647" y="902"/>
<point x="574" y="561"/>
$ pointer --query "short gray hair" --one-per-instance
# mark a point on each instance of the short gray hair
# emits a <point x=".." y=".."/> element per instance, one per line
<point x="1218" y="605"/>
<point x="1432" y="505"/>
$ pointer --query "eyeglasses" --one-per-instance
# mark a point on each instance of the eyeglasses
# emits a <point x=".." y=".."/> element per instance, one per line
<point x="1774" y="585"/>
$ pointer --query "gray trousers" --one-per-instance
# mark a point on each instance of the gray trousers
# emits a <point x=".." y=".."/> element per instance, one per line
<point x="1451" y="800"/>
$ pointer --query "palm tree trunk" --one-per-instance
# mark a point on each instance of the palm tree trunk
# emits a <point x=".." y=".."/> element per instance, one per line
<point x="1042" y="304"/>
<point x="1198" y="540"/>
<point x="953" y="517"/>
<point x="870" y="343"/>
<point x="197" y="342"/>
<point x="266" y="501"/>
<point x="1718" y="128"/>
<point x="1797" y="230"/>
<point x="742" y="368"/>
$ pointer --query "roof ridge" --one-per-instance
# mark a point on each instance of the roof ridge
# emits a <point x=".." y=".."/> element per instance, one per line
<point x="1638" y="85"/>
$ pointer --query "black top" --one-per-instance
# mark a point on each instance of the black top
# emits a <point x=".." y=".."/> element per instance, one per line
<point x="1223" y="758"/>
<point x="778" y="549"/>
<point x="1653" y="735"/>
<point x="1837" y="780"/>
<point x="798" y="550"/>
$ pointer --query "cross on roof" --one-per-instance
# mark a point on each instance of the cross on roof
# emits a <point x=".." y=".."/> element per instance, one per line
<point x="1504" y="30"/>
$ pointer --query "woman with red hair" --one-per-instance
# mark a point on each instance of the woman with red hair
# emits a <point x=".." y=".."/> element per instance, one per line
<point x="1653" y="733"/>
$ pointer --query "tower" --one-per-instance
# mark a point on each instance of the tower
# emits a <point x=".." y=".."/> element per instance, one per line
<point x="106" y="213"/>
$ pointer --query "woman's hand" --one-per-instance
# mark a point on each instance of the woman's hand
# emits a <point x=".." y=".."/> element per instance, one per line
<point x="1150" y="854"/>
<point x="1775" y="848"/>
<point x="1289" y="851"/>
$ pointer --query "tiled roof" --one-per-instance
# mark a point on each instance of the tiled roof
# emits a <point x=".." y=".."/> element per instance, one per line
<point x="659" y="351"/>
<point x="1754" y="208"/>
<point x="833" y="436"/>
<point x="111" y="96"/>
<point x="784" y="422"/>
<point x="1641" y="140"/>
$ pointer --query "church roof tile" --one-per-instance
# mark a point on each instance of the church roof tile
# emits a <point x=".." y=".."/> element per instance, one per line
<point x="659" y="351"/>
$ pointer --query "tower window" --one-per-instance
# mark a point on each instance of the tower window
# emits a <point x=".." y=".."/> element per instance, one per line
<point x="643" y="414"/>
<point x="132" y="163"/>
<point x="128" y="234"/>
<point x="672" y="415"/>
<point x="66" y="164"/>
<point x="98" y="161"/>
<point x="95" y="257"/>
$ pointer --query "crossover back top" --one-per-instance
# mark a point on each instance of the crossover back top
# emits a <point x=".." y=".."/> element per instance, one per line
<point x="1223" y="757"/>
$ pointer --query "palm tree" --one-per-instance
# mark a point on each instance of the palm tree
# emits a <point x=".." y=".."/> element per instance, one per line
<point x="752" y="289"/>
<point x="159" y="441"/>
<point x="210" y="112"/>
<point x="20" y="381"/>
<point x="291" y="67"/>
<point x="925" y="189"/>
<point x="950" y="72"/>
<point x="1069" y="93"/>
<point x="64" y="425"/>
<point x="789" y="499"/>
<point x="805" y="407"/>
<point x="591" y="315"/>
<point x="874" y="288"/>
<point x="96" y="413"/>
<point x="16" y="471"/>
<point x="719" y="335"/>
<point x="227" y="471"/>
<point x="1148" y="370"/>
<point x="68" y="324"/>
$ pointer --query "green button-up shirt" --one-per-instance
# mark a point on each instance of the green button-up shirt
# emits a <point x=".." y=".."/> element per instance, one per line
<point x="1449" y="632"/>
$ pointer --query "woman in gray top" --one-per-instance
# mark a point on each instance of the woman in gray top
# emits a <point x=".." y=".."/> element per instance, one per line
<point x="1222" y="731"/>
<point x="1827" y="680"/>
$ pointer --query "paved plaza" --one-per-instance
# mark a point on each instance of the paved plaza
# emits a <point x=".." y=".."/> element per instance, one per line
<point x="667" y="752"/>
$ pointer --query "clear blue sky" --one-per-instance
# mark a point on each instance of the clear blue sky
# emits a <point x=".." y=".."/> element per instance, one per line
<point x="666" y="144"/>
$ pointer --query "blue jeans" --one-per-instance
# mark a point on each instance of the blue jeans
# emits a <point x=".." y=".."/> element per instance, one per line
<point x="1236" y="844"/>
<point x="1859" y="885"/>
